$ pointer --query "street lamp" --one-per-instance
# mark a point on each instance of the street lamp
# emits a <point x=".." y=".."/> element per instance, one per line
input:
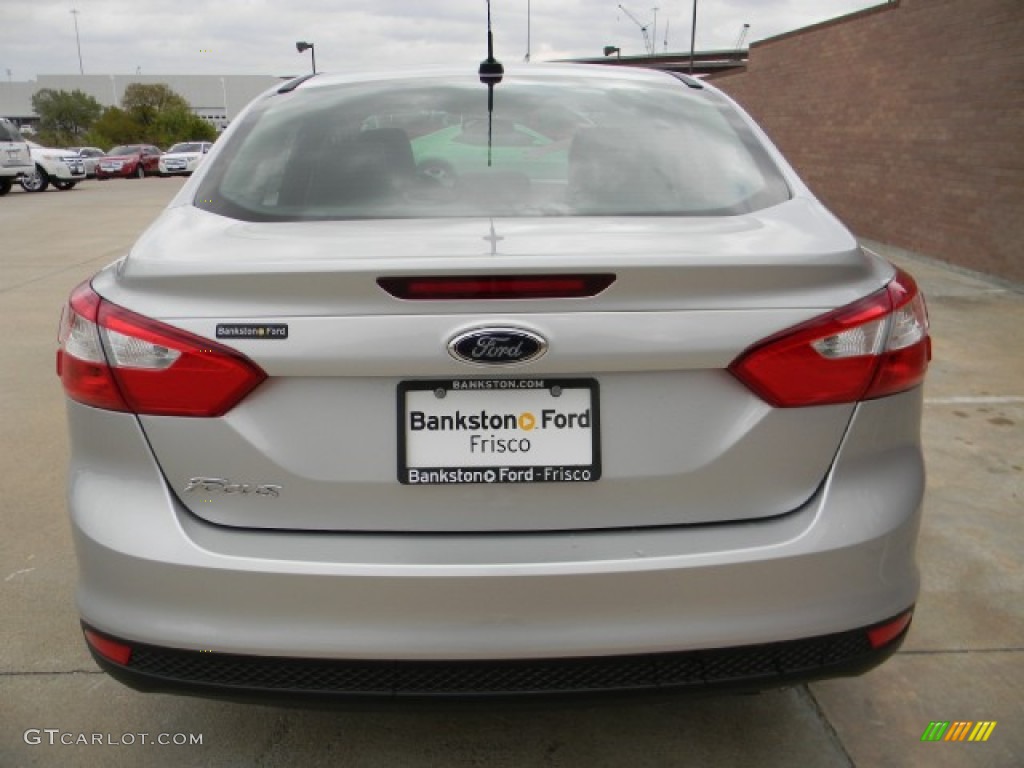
<point x="78" y="42"/>
<point x="303" y="46"/>
<point x="224" y="90"/>
<point x="527" y="57"/>
<point x="693" y="34"/>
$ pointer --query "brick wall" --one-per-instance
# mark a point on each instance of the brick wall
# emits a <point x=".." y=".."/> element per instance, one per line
<point x="907" y="120"/>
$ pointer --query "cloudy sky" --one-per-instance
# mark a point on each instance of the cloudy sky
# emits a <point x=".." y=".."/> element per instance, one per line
<point x="258" y="36"/>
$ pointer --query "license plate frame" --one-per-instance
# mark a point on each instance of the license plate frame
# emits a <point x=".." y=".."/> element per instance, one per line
<point x="447" y="435"/>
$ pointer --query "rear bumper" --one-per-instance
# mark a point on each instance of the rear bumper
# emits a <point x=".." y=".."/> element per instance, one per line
<point x="14" y="171"/>
<point x="124" y="173"/>
<point x="747" y="668"/>
<point x="61" y="172"/>
<point x="177" y="170"/>
<point x="154" y="575"/>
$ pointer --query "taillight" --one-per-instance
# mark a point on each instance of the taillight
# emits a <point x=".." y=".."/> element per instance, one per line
<point x="883" y="634"/>
<point x="112" y="650"/>
<point x="111" y="358"/>
<point x="874" y="347"/>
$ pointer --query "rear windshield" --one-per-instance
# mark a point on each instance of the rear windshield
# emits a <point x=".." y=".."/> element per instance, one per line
<point x="564" y="146"/>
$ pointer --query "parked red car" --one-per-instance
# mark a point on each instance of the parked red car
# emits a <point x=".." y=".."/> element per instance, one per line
<point x="129" y="161"/>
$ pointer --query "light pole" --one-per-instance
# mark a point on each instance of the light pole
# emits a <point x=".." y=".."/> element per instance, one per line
<point x="693" y="34"/>
<point x="224" y="90"/>
<point x="527" y="59"/>
<point x="654" y="33"/>
<point x="78" y="42"/>
<point x="303" y="46"/>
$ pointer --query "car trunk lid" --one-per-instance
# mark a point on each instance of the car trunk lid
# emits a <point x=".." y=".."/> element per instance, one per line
<point x="327" y="441"/>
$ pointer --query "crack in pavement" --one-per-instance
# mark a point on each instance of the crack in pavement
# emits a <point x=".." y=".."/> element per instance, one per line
<point x="804" y="693"/>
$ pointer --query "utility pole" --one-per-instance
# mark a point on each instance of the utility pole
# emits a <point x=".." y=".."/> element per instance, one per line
<point x="78" y="42"/>
<point x="224" y="90"/>
<point x="693" y="34"/>
<point x="527" y="59"/>
<point x="654" y="33"/>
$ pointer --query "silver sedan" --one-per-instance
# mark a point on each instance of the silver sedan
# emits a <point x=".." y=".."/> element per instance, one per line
<point x="90" y="157"/>
<point x="428" y="386"/>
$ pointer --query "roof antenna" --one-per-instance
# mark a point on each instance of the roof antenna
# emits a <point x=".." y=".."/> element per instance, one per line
<point x="490" y="73"/>
<point x="490" y="68"/>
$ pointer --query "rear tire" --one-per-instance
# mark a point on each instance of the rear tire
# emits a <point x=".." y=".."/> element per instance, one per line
<point x="37" y="181"/>
<point x="5" y="186"/>
<point x="64" y="186"/>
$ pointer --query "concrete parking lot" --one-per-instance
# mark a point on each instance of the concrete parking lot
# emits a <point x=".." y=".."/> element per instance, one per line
<point x="963" y="660"/>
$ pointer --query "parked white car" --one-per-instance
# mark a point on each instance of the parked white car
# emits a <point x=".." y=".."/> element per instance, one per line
<point x="15" y="158"/>
<point x="183" y="158"/>
<point x="60" y="167"/>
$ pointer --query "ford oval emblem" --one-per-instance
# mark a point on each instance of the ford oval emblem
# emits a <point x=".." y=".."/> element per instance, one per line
<point x="497" y="346"/>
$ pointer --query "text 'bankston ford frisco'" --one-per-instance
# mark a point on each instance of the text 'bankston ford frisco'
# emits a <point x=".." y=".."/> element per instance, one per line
<point x="481" y="420"/>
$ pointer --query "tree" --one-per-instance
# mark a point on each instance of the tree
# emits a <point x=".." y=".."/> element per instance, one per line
<point x="115" y="126"/>
<point x="174" y="125"/>
<point x="152" y="114"/>
<point x="146" y="102"/>
<point x="64" y="117"/>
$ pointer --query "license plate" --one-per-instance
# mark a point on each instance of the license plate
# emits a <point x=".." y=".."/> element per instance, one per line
<point x="498" y="431"/>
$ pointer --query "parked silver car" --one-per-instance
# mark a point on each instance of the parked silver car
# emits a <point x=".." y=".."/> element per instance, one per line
<point x="90" y="158"/>
<point x="622" y="407"/>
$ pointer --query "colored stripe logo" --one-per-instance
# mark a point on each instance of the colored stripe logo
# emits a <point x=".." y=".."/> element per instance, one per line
<point x="958" y="730"/>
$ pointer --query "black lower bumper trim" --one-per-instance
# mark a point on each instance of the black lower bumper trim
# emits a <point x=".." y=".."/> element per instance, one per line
<point x="752" y="667"/>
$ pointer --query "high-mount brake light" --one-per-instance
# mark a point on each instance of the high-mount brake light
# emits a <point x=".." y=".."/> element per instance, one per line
<point x="111" y="358"/>
<point x="874" y="347"/>
<point x="436" y="288"/>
